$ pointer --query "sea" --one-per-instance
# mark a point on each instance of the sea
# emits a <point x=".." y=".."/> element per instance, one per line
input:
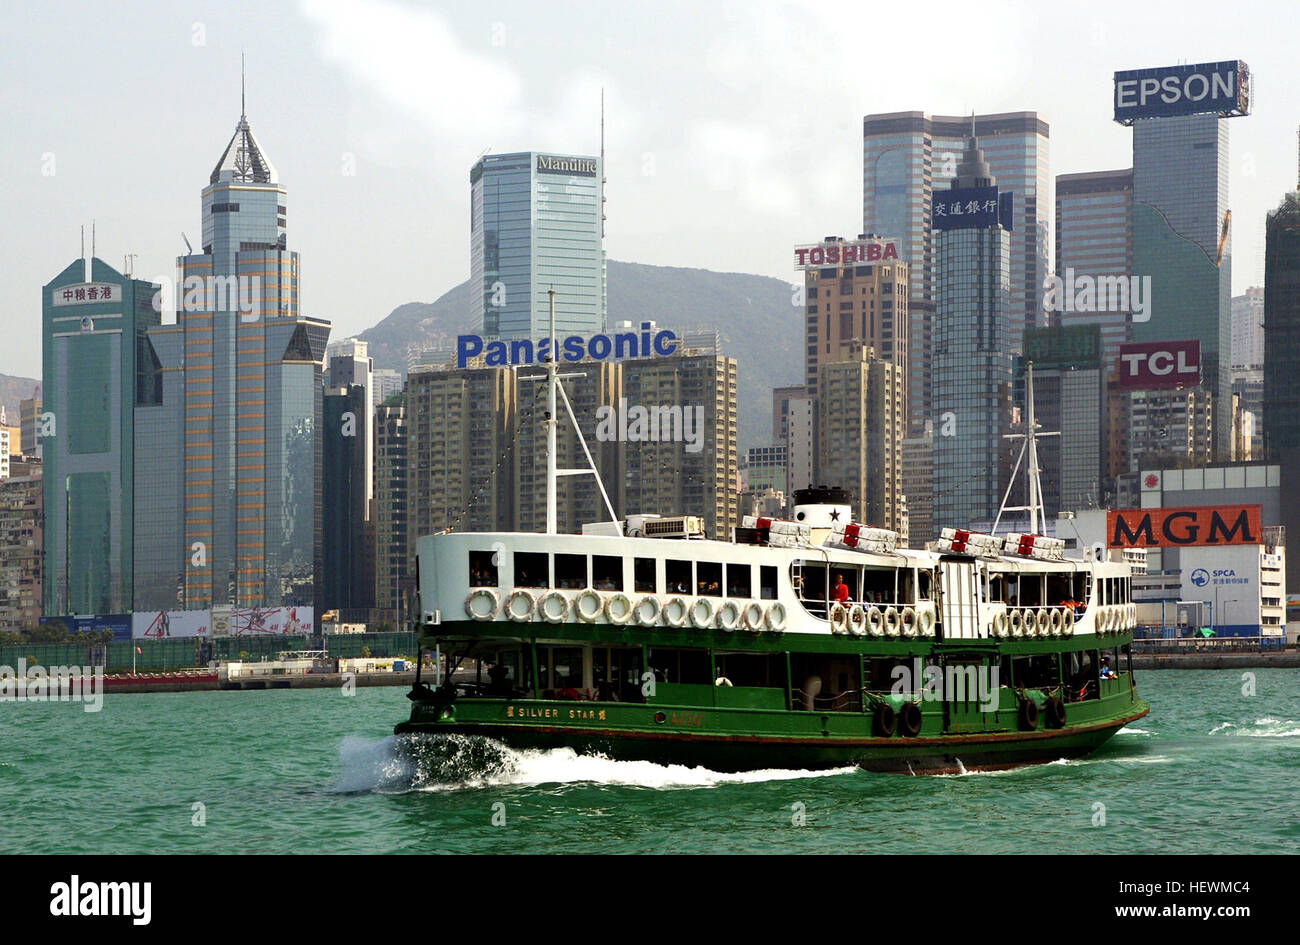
<point x="1213" y="768"/>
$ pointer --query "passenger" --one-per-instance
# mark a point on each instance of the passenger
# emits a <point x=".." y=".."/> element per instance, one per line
<point x="1106" y="671"/>
<point x="499" y="684"/>
<point x="840" y="592"/>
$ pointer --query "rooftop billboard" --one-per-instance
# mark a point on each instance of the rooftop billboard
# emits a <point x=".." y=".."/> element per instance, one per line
<point x="1159" y="365"/>
<point x="1209" y="87"/>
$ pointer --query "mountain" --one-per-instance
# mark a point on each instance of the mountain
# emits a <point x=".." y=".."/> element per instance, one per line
<point x="759" y="325"/>
<point x="12" y="391"/>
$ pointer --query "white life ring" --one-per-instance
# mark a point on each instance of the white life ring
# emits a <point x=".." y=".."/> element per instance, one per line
<point x="675" y="612"/>
<point x="908" y="620"/>
<point x="517" y="613"/>
<point x="753" y="617"/>
<point x="482" y="604"/>
<point x="1031" y="622"/>
<point x="1000" y="622"/>
<point x="875" y="621"/>
<point x="1101" y="616"/>
<point x="587" y="606"/>
<point x="1017" y="621"/>
<point x="553" y="606"/>
<point x="926" y="621"/>
<point x="701" y="613"/>
<point x="1044" y="621"/>
<point x="857" y="622"/>
<point x="1132" y="616"/>
<point x="839" y="618"/>
<point x="647" y="611"/>
<point x="618" y="609"/>
<point x="892" y="621"/>
<point x="729" y="615"/>
<point x="1067" y="630"/>
<point x="1058" y="620"/>
<point x="776" y="617"/>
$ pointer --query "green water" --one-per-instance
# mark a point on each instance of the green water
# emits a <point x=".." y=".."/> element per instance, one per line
<point x="314" y="771"/>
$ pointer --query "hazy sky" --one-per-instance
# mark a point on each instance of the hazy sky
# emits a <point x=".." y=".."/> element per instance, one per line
<point x="733" y="129"/>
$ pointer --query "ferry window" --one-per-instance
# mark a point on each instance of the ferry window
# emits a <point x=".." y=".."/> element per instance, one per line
<point x="824" y="682"/>
<point x="678" y="575"/>
<point x="924" y="580"/>
<point x="751" y="669"/>
<point x="570" y="571"/>
<point x="607" y="572"/>
<point x="708" y="578"/>
<point x="997" y="588"/>
<point x="680" y="665"/>
<point x="738" y="580"/>
<point x="767" y="582"/>
<point x="643" y="576"/>
<point x="566" y="667"/>
<point x="878" y="586"/>
<point x="812" y="582"/>
<point x="531" y="569"/>
<point x="482" y="569"/>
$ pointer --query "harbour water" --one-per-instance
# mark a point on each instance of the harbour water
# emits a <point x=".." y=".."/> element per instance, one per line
<point x="1212" y="769"/>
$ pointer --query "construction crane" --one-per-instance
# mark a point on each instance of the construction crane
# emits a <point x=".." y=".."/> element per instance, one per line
<point x="1223" y="237"/>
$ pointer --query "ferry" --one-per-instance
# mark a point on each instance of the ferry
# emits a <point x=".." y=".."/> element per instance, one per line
<point x="807" y="643"/>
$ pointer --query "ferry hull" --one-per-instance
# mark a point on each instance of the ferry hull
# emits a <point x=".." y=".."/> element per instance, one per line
<point x="943" y="754"/>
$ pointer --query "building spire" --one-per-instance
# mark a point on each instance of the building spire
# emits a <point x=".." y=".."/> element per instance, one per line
<point x="243" y="160"/>
<point x="243" y="112"/>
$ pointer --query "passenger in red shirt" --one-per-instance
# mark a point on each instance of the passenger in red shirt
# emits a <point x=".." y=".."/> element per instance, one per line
<point x="841" y="590"/>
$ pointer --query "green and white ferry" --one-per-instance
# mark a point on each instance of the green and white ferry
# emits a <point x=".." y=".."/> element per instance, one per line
<point x="641" y="639"/>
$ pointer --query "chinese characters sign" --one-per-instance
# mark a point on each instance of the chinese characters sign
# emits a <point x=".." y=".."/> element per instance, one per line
<point x="86" y="293"/>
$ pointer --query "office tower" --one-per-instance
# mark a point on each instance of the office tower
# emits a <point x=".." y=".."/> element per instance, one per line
<point x="593" y="389"/>
<point x="5" y="444"/>
<point x="1248" y="328"/>
<point x="460" y="427"/>
<point x="767" y="468"/>
<point x="1094" y="252"/>
<point x="230" y="434"/>
<point x="387" y="383"/>
<point x="781" y="397"/>
<point x="1282" y="330"/>
<point x="855" y="293"/>
<point x="394" y="577"/>
<point x="1180" y="210"/>
<point x="860" y="434"/>
<point x="972" y="344"/>
<point x="29" y="419"/>
<point x="918" y="485"/>
<point x="1248" y="373"/>
<point x="801" y="443"/>
<point x="348" y="363"/>
<point x="907" y="156"/>
<point x="535" y="224"/>
<point x="1170" y="428"/>
<point x="95" y="369"/>
<point x="347" y="574"/>
<point x="21" y="507"/>
<point x="695" y="472"/>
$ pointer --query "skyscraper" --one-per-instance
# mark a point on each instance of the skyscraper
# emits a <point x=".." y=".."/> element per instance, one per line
<point x="229" y="438"/>
<point x="907" y="156"/>
<point x="535" y="224"/>
<point x="96" y="368"/>
<point x="972" y="344"/>
<point x="347" y="574"/>
<point x="391" y="561"/>
<point x="1282" y="331"/>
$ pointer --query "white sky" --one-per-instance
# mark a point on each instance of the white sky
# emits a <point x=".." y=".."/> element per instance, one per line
<point x="733" y="129"/>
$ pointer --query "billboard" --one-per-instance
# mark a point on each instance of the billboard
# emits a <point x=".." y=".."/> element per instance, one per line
<point x="844" y="253"/>
<point x="1159" y="365"/>
<point x="1185" y="526"/>
<point x="120" y="624"/>
<point x="1216" y="87"/>
<point x="272" y="621"/>
<point x="964" y="207"/>
<point x="163" y="624"/>
<point x="1064" y="346"/>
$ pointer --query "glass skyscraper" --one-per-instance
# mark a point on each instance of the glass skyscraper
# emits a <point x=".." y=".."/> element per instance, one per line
<point x="973" y="335"/>
<point x="535" y="224"/>
<point x="907" y="156"/>
<point x="96" y="367"/>
<point x="230" y="445"/>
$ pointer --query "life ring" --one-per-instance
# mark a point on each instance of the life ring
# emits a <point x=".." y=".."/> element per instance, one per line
<point x="1067" y="630"/>
<point x="753" y="617"/>
<point x="926" y="621"/>
<point x="908" y="620"/>
<point x="1017" y="623"/>
<point x="1028" y="714"/>
<point x="1055" y="712"/>
<point x="701" y="613"/>
<point x="647" y="611"/>
<point x="775" y="618"/>
<point x="587" y="606"/>
<point x="729" y="615"/>
<point x="857" y="622"/>
<point x="1000" y="624"/>
<point x="550" y="613"/>
<point x="482" y="596"/>
<point x="1057" y="616"/>
<point x="875" y="621"/>
<point x="618" y="609"/>
<point x="883" y="720"/>
<point x="1044" y="621"/>
<point x="892" y="622"/>
<point x="514" y="612"/>
<point x="675" y="612"/>
<point x="1131" y="612"/>
<point x="909" y="720"/>
<point x="839" y="618"/>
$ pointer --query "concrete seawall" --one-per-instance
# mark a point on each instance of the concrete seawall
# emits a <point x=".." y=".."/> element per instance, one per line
<point x="210" y="682"/>
<point x="1288" y="659"/>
